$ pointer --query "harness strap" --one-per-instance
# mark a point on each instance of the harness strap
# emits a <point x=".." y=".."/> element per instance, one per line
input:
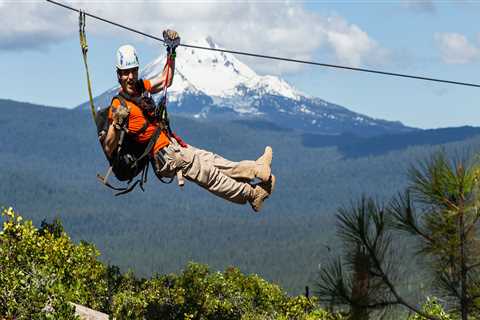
<point x="122" y="96"/>
<point x="104" y="180"/>
<point x="140" y="182"/>
<point x="144" y="177"/>
<point x="164" y="116"/>
<point x="126" y="96"/>
<point x="121" y="99"/>
<point x="128" y="188"/>
<point x="151" y="143"/>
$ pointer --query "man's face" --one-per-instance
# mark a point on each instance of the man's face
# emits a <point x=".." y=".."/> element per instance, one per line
<point x="127" y="79"/>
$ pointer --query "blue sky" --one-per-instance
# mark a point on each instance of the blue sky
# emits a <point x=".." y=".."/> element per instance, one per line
<point x="441" y="39"/>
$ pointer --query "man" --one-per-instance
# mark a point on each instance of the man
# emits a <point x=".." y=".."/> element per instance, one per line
<point x="227" y="179"/>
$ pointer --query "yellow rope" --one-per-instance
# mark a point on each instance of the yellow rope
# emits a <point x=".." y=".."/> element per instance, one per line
<point x="84" y="46"/>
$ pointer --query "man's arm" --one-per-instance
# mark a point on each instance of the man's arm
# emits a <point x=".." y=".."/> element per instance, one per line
<point x="110" y="143"/>
<point x="172" y="40"/>
<point x="160" y="82"/>
<point x="119" y="118"/>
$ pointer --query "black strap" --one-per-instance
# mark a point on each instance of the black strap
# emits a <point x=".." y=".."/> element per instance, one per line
<point x="170" y="180"/>
<point x="128" y="188"/>
<point x="151" y="143"/>
<point x="144" y="177"/>
<point x="143" y="128"/>
<point x="102" y="180"/>
<point x="128" y="97"/>
<point x="140" y="182"/>
<point x="121" y="99"/>
<point x="122" y="96"/>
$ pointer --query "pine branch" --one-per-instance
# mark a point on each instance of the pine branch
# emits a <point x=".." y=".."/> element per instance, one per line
<point x="403" y="213"/>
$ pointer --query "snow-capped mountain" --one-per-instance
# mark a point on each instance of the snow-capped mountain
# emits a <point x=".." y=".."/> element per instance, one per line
<point x="212" y="84"/>
<point x="216" y="74"/>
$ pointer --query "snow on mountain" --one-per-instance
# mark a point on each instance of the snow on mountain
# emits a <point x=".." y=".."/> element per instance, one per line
<point x="214" y="84"/>
<point x="215" y="73"/>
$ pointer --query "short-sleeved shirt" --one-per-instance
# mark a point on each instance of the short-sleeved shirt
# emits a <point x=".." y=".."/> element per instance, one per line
<point x="137" y="120"/>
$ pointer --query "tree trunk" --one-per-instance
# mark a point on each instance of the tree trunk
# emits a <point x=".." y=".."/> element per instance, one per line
<point x="360" y="285"/>
<point x="463" y="267"/>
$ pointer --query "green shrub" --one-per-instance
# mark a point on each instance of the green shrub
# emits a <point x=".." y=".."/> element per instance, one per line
<point x="40" y="272"/>
<point x="43" y="271"/>
<point x="197" y="293"/>
<point x="433" y="307"/>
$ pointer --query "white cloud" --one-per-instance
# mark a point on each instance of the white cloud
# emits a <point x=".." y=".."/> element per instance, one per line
<point x="352" y="45"/>
<point x="456" y="49"/>
<point x="31" y="25"/>
<point x="272" y="28"/>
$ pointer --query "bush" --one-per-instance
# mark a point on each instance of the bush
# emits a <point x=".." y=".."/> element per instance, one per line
<point x="197" y="293"/>
<point x="43" y="271"/>
<point x="434" y="308"/>
<point x="40" y="272"/>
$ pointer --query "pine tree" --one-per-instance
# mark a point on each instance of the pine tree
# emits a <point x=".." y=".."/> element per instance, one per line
<point x="354" y="281"/>
<point x="441" y="209"/>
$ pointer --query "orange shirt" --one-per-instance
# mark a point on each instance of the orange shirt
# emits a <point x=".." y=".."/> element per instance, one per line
<point x="137" y="120"/>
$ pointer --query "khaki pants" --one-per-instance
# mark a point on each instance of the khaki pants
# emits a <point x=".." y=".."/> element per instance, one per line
<point x="220" y="176"/>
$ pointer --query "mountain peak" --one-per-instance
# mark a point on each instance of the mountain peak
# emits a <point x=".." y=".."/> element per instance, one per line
<point x="216" y="73"/>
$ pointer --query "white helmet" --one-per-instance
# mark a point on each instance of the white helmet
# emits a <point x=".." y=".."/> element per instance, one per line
<point x="127" y="57"/>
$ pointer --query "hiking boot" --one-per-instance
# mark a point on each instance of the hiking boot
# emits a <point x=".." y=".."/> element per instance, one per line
<point x="261" y="192"/>
<point x="263" y="170"/>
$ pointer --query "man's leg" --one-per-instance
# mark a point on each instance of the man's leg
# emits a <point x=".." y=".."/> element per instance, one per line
<point x="208" y="176"/>
<point x="202" y="173"/>
<point x="242" y="170"/>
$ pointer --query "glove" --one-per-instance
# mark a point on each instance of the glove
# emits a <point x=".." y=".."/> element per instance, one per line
<point x="172" y="40"/>
<point x="120" y="116"/>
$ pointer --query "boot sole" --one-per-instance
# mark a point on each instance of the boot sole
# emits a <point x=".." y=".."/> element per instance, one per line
<point x="274" y="180"/>
<point x="270" y="190"/>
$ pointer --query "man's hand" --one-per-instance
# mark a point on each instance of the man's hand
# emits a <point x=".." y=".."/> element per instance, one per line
<point x="172" y="40"/>
<point x="120" y="116"/>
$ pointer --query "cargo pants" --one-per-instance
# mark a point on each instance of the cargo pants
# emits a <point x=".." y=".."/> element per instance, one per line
<point x="222" y="177"/>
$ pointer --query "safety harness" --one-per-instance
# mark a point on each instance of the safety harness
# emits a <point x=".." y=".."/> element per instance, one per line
<point x="131" y="157"/>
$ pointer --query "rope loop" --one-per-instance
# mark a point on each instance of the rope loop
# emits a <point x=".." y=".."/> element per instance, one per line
<point x="81" y="29"/>
<point x="84" y="46"/>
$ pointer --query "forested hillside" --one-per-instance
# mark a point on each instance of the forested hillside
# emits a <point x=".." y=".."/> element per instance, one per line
<point x="50" y="157"/>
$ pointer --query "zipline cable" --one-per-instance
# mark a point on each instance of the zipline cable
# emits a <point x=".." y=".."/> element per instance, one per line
<point x="272" y="57"/>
